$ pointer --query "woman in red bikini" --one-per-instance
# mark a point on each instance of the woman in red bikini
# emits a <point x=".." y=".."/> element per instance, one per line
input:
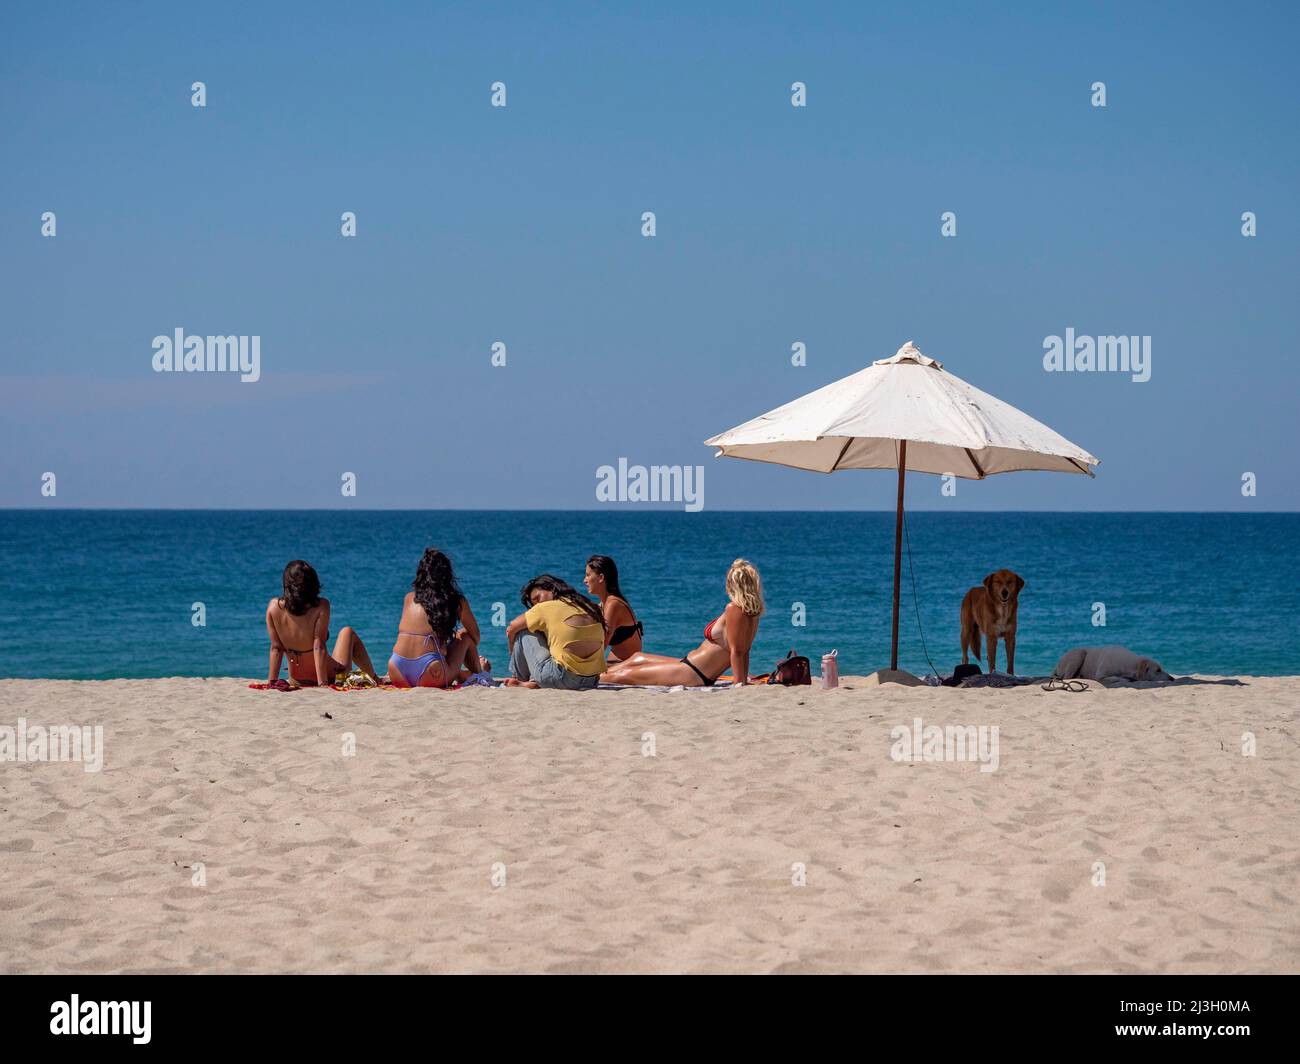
<point x="298" y="624"/>
<point x="727" y="641"/>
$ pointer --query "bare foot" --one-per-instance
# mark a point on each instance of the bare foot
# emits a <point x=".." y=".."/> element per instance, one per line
<point x="533" y="685"/>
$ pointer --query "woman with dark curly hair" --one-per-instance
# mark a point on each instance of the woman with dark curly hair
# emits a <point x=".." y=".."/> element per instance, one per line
<point x="429" y="652"/>
<point x="559" y="641"/>
<point x="301" y="618"/>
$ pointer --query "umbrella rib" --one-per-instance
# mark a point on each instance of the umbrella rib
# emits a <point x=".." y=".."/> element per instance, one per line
<point x="1079" y="467"/>
<point x="843" y="450"/>
<point x="974" y="463"/>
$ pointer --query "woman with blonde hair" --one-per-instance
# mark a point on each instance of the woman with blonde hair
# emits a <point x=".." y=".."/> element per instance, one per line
<point x="727" y="641"/>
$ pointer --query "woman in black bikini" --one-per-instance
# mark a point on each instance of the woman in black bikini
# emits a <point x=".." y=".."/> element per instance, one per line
<point x="298" y="624"/>
<point x="624" y="629"/>
<point x="727" y="642"/>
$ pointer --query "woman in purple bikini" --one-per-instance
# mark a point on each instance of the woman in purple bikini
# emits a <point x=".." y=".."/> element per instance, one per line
<point x="429" y="652"/>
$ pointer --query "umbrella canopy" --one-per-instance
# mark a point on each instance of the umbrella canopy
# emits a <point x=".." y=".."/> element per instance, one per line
<point x="901" y="413"/>
<point x="857" y="422"/>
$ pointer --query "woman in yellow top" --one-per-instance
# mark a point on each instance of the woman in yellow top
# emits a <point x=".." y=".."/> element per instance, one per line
<point x="560" y="641"/>
<point x="727" y="641"/>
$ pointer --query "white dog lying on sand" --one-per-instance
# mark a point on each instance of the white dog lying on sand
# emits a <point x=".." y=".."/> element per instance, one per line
<point x="1104" y="663"/>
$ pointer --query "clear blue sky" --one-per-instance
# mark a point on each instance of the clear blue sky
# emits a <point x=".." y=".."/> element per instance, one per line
<point x="522" y="225"/>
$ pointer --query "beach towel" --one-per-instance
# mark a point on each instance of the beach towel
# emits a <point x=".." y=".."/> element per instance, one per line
<point x="1002" y="679"/>
<point x="279" y="685"/>
<point x="721" y="685"/>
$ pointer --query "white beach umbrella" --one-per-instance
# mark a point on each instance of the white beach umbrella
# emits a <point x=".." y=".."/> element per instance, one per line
<point x="903" y="413"/>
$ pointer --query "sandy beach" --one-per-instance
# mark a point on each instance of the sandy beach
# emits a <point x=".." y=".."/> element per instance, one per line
<point x="506" y="831"/>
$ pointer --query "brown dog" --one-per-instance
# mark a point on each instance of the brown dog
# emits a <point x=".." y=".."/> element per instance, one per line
<point x="991" y="609"/>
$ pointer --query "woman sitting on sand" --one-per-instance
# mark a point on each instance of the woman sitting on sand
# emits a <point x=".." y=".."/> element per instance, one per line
<point x="727" y="640"/>
<point x="300" y="618"/>
<point x="560" y="641"/>
<point x="428" y="652"/>
<point x="624" y="629"/>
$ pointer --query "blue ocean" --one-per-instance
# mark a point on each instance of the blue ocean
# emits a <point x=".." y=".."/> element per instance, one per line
<point x="95" y="594"/>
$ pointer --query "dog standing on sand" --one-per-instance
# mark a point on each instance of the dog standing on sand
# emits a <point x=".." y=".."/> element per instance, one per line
<point x="991" y="609"/>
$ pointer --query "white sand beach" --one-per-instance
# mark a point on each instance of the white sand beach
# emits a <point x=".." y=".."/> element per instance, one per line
<point x="614" y="861"/>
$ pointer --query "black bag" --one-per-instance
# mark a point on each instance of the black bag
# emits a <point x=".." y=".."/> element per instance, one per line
<point x="792" y="671"/>
<point x="960" y="673"/>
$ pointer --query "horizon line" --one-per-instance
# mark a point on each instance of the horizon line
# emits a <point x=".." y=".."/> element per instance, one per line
<point x="659" y="509"/>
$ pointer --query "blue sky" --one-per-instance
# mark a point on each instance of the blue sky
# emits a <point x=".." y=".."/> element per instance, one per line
<point x="523" y="225"/>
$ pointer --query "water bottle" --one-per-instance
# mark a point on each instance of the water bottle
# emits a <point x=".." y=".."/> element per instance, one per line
<point x="830" y="670"/>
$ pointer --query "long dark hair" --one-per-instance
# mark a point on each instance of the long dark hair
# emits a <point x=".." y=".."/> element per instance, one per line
<point x="604" y="565"/>
<point x="436" y="590"/>
<point x="301" y="588"/>
<point x="565" y="593"/>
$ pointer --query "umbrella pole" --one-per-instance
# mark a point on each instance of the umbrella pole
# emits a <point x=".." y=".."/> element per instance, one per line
<point x="898" y="550"/>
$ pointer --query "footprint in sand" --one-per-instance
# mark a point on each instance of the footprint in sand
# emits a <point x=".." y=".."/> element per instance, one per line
<point x="1058" y="890"/>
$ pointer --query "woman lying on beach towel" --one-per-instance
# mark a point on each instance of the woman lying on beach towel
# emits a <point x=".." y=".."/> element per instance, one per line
<point x="621" y="624"/>
<point x="560" y="641"/>
<point x="428" y="651"/>
<point x="298" y="624"/>
<point x="727" y="640"/>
